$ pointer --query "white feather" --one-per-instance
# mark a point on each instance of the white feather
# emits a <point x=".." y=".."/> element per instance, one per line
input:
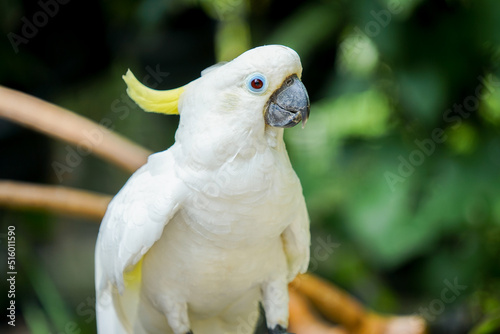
<point x="218" y="220"/>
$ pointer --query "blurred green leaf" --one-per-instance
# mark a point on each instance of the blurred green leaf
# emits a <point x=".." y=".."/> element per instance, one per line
<point x="358" y="54"/>
<point x="308" y="28"/>
<point x="490" y="325"/>
<point x="48" y="295"/>
<point x="35" y="319"/>
<point x="423" y="93"/>
<point x="463" y="139"/>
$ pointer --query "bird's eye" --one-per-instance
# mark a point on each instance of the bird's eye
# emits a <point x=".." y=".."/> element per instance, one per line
<point x="257" y="83"/>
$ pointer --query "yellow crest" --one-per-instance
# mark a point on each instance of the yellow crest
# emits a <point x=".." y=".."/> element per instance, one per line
<point x="152" y="100"/>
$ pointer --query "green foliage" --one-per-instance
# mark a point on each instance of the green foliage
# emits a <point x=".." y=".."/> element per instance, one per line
<point x="400" y="157"/>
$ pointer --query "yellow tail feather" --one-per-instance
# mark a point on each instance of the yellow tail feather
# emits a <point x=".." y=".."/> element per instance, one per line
<point x="152" y="100"/>
<point x="135" y="275"/>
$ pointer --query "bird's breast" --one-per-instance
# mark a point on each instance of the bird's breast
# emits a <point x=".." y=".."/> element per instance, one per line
<point x="225" y="238"/>
<point x="242" y="201"/>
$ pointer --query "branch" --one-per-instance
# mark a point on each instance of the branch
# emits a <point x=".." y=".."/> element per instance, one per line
<point x="329" y="300"/>
<point x="20" y="195"/>
<point x="339" y="307"/>
<point x="65" y="125"/>
<point x="304" y="320"/>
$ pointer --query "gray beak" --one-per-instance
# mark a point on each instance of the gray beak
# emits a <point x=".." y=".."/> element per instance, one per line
<point x="289" y="104"/>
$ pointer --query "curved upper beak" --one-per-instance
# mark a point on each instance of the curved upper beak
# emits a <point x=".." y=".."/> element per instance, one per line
<point x="289" y="104"/>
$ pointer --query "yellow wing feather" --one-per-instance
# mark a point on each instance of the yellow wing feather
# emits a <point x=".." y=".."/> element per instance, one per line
<point x="152" y="100"/>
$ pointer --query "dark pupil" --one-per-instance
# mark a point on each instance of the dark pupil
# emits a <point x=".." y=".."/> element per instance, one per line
<point x="257" y="84"/>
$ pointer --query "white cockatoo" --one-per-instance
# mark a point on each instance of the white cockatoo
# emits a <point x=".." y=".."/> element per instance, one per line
<point x="213" y="226"/>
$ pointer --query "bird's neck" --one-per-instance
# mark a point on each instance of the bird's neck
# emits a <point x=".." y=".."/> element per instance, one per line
<point x="211" y="149"/>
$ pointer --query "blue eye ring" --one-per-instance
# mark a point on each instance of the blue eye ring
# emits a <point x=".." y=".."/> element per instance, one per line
<point x="256" y="83"/>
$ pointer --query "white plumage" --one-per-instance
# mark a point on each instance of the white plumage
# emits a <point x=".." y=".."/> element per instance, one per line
<point x="214" y="225"/>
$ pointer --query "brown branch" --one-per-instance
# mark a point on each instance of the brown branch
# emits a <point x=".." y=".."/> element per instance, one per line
<point x="65" y="125"/>
<point x="339" y="307"/>
<point x="303" y="319"/>
<point x="329" y="300"/>
<point x="19" y="195"/>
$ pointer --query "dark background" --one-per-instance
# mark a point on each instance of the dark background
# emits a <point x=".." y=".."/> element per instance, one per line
<point x="400" y="160"/>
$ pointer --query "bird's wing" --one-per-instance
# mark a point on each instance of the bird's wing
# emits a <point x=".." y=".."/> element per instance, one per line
<point x="133" y="222"/>
<point x="297" y="239"/>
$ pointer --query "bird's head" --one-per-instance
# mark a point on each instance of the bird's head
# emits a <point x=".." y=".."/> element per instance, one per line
<point x="260" y="86"/>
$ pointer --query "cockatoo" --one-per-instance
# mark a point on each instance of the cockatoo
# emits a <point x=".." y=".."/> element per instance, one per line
<point x="217" y="224"/>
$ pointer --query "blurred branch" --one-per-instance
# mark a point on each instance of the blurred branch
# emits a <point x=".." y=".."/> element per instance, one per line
<point x="65" y="125"/>
<point x="19" y="195"/>
<point x="340" y="307"/>
<point x="329" y="300"/>
<point x="303" y="318"/>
